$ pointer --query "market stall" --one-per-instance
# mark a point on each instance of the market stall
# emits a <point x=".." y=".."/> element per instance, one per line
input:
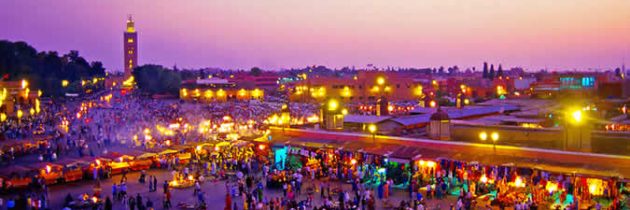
<point x="52" y="173"/>
<point x="16" y="177"/>
<point x="117" y="162"/>
<point x="73" y="169"/>
<point x="142" y="160"/>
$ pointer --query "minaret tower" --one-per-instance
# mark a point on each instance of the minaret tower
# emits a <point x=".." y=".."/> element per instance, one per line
<point x="130" y="44"/>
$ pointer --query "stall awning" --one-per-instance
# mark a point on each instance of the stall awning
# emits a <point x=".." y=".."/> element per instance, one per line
<point x="168" y="151"/>
<point x="146" y="155"/>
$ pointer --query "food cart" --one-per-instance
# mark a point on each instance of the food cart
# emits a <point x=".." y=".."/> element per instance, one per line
<point x="184" y="153"/>
<point x="184" y="157"/>
<point x="117" y="162"/>
<point x="73" y="169"/>
<point x="143" y="161"/>
<point x="52" y="173"/>
<point x="15" y="177"/>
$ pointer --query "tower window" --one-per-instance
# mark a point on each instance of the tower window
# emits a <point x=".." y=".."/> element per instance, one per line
<point x="130" y="40"/>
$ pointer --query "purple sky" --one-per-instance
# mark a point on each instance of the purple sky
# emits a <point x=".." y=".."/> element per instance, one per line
<point x="558" y="34"/>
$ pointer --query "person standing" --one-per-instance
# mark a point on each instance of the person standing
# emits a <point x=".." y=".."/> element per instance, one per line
<point x="150" y="183"/>
<point x="108" y="204"/>
<point x="114" y="190"/>
<point x="165" y="186"/>
<point x="132" y="203"/>
<point x="154" y="183"/>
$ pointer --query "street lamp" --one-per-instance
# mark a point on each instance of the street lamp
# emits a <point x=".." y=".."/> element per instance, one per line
<point x="333" y="105"/>
<point x="483" y="136"/>
<point x="495" y="137"/>
<point x="380" y="80"/>
<point x="372" y="128"/>
<point x="577" y="116"/>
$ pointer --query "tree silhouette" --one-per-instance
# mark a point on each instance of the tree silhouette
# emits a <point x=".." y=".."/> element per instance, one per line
<point x="45" y="70"/>
<point x="155" y="79"/>
<point x="255" y="71"/>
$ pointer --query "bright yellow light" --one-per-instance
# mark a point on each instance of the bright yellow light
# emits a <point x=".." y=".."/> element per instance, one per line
<point x="372" y="128"/>
<point x="333" y="105"/>
<point x="94" y="80"/>
<point x="26" y="92"/>
<point x="312" y="119"/>
<point x="208" y="94"/>
<point x="64" y="83"/>
<point x="3" y="117"/>
<point x="466" y="101"/>
<point x="501" y="90"/>
<point x="432" y="104"/>
<point x="390" y="108"/>
<point x="483" y="178"/>
<point x="346" y="92"/>
<point x="220" y="93"/>
<point x="422" y="163"/>
<point x="376" y="89"/>
<point x="434" y="82"/>
<point x="31" y="111"/>
<point x="577" y="116"/>
<point x="418" y="91"/>
<point x="242" y="92"/>
<point x="387" y="89"/>
<point x="184" y="92"/>
<point x="20" y="113"/>
<point x="483" y="136"/>
<point x="551" y="187"/>
<point x="494" y="136"/>
<point x="380" y="80"/>
<point x="257" y="93"/>
<point x="353" y="161"/>
<point x="129" y="81"/>
<point x="344" y="111"/>
<point x="24" y="83"/>
<point x="519" y="182"/>
<point x="273" y="119"/>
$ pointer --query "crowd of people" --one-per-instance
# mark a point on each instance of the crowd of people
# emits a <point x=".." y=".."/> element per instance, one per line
<point x="253" y="178"/>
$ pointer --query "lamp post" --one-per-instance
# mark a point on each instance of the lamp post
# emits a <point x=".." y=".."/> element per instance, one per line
<point x="575" y="119"/>
<point x="372" y="128"/>
<point x="494" y="136"/>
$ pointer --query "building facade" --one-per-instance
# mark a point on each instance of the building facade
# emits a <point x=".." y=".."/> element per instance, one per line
<point x="363" y="87"/>
<point x="217" y="90"/>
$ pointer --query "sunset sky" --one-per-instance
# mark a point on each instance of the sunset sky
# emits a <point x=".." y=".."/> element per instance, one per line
<point x="273" y="34"/>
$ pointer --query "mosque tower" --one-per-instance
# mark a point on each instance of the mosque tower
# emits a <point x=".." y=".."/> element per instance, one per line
<point x="130" y="43"/>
